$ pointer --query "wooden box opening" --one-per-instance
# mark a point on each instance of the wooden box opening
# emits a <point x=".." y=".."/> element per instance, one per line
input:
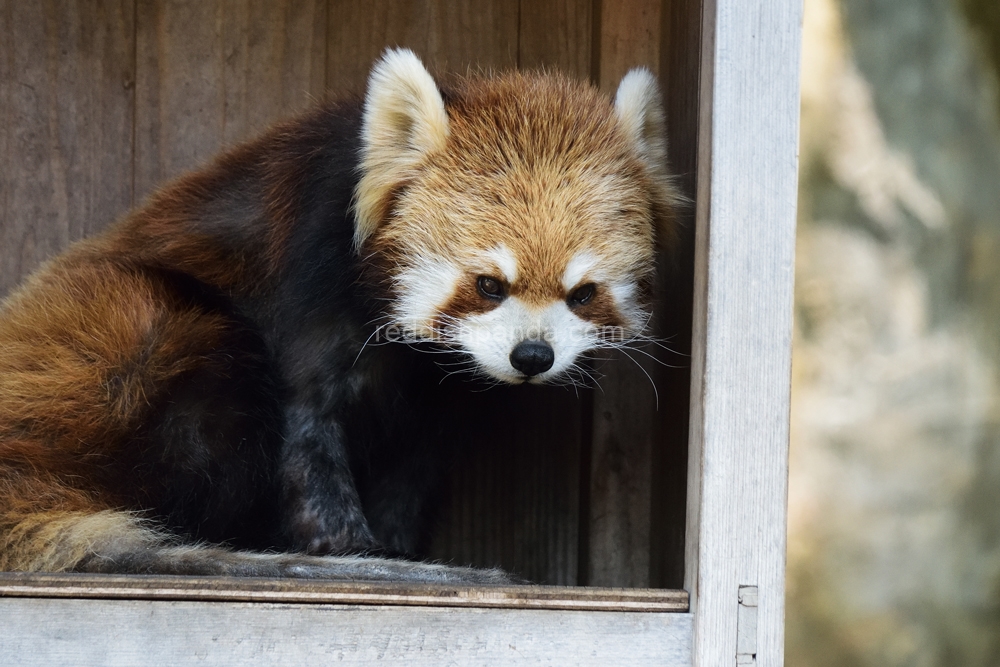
<point x="564" y="487"/>
<point x="102" y="101"/>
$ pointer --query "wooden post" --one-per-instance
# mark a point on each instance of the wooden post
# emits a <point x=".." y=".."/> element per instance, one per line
<point x="745" y="238"/>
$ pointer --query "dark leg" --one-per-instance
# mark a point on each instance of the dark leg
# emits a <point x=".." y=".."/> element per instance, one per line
<point x="322" y="509"/>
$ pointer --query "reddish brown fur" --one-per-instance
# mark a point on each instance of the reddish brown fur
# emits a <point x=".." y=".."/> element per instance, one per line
<point x="466" y="300"/>
<point x="523" y="158"/>
<point x="601" y="311"/>
<point x="89" y="344"/>
<point x="86" y="347"/>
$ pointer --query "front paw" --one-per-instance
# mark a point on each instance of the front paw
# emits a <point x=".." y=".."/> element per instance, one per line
<point x="321" y="536"/>
<point x="341" y="543"/>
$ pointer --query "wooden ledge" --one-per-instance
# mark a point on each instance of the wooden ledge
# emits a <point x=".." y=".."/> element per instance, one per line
<point x="301" y="591"/>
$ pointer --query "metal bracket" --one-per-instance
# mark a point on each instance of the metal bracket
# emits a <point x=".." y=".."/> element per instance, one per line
<point x="746" y="626"/>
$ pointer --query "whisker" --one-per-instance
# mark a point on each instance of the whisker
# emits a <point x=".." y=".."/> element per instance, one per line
<point x="365" y="344"/>
<point x="656" y="394"/>
<point x="659" y="361"/>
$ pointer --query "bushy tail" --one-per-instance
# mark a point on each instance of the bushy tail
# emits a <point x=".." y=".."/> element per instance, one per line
<point x="62" y="541"/>
<point x="116" y="542"/>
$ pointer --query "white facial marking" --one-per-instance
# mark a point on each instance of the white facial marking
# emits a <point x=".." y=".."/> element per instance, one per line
<point x="490" y="337"/>
<point x="582" y="264"/>
<point x="505" y="260"/>
<point x="423" y="288"/>
<point x="427" y="285"/>
<point x="624" y="295"/>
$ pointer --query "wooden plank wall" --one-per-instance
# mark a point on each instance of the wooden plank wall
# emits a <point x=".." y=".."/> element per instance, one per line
<point x="102" y="100"/>
<point x="67" y="77"/>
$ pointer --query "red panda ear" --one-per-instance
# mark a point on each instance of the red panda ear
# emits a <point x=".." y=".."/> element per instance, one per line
<point x="640" y="112"/>
<point x="639" y="108"/>
<point x="404" y="119"/>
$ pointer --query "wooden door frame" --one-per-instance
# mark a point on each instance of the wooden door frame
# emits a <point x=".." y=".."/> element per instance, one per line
<point x="743" y="303"/>
<point x="746" y="182"/>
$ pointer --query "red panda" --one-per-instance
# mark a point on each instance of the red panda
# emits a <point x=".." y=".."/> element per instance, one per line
<point x="233" y="380"/>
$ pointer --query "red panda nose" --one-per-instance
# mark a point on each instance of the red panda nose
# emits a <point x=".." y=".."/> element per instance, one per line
<point x="532" y="357"/>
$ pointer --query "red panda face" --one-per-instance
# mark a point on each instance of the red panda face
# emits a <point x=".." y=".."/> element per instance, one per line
<point x="516" y="217"/>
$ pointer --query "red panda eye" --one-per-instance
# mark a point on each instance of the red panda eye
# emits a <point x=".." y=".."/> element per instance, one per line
<point x="583" y="294"/>
<point x="491" y="288"/>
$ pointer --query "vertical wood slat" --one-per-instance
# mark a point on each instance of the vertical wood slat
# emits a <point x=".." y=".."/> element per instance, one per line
<point x="629" y="37"/>
<point x="514" y="496"/>
<point x="625" y="412"/>
<point x="211" y="73"/>
<point x="274" y="61"/>
<point x="179" y="99"/>
<point x="448" y="36"/>
<point x="66" y="93"/>
<point x="747" y="171"/>
<point x="680" y="49"/>
<point x="556" y="34"/>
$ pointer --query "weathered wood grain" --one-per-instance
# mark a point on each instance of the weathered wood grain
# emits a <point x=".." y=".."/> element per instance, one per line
<point x="299" y="591"/>
<point x="211" y="73"/>
<point x="680" y="52"/>
<point x="84" y="633"/>
<point x="448" y="36"/>
<point x="557" y="34"/>
<point x="745" y="241"/>
<point x="513" y="500"/>
<point x="629" y="37"/>
<point x="274" y="56"/>
<point x="620" y="474"/>
<point x="66" y="87"/>
<point x="625" y="410"/>
<point x="180" y="98"/>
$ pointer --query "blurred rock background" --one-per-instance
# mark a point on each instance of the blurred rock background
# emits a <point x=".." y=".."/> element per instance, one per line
<point x="894" y="493"/>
